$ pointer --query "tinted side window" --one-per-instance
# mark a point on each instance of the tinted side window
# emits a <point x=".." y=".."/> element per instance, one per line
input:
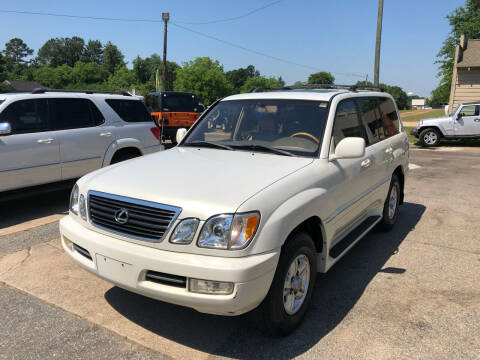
<point x="98" y="118"/>
<point x="130" y="110"/>
<point x="391" y="123"/>
<point x="468" y="110"/>
<point x="347" y="123"/>
<point x="372" y="120"/>
<point x="71" y="113"/>
<point x="27" y="116"/>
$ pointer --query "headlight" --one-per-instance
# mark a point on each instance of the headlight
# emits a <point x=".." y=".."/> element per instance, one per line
<point x="229" y="231"/>
<point x="83" y="207"/>
<point x="184" y="231"/>
<point x="74" y="200"/>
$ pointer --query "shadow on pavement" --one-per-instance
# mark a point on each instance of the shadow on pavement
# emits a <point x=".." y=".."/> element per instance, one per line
<point x="334" y="296"/>
<point x="33" y="204"/>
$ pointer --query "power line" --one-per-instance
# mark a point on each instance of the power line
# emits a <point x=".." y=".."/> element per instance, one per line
<point x="232" y="18"/>
<point x="181" y="27"/>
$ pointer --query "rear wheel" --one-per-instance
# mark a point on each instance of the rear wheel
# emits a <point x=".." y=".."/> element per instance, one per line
<point x="429" y="137"/>
<point x="289" y="296"/>
<point x="390" y="208"/>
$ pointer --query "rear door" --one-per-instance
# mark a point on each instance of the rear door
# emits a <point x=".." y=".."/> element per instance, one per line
<point x="468" y="123"/>
<point x="83" y="135"/>
<point x="30" y="154"/>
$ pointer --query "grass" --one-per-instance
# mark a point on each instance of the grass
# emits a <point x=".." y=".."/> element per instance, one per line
<point x="461" y="142"/>
<point x="427" y="114"/>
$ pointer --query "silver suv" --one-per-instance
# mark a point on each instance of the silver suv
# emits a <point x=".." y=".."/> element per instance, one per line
<point x="48" y="136"/>
<point x="463" y="123"/>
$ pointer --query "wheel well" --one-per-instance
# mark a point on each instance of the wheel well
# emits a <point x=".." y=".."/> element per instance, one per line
<point x="399" y="172"/>
<point x="313" y="227"/>
<point x="125" y="151"/>
<point x="430" y="127"/>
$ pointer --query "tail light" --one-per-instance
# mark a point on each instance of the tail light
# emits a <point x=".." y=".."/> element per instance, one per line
<point x="156" y="132"/>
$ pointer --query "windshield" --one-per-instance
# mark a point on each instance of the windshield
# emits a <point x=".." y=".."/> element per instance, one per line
<point x="284" y="127"/>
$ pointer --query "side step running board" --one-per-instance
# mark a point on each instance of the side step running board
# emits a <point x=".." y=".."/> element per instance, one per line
<point x="340" y="247"/>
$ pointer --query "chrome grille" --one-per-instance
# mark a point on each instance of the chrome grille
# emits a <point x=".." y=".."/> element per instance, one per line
<point x="144" y="220"/>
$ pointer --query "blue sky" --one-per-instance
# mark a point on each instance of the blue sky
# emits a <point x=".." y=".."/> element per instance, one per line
<point x="332" y="35"/>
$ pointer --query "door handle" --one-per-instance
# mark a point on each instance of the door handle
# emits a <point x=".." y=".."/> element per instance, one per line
<point x="365" y="163"/>
<point x="106" y="134"/>
<point x="476" y="120"/>
<point x="44" y="141"/>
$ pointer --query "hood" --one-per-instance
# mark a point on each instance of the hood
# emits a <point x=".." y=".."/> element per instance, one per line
<point x="437" y="119"/>
<point x="202" y="181"/>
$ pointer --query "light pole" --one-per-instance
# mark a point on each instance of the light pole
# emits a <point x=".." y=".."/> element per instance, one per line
<point x="376" y="78"/>
<point x="165" y="18"/>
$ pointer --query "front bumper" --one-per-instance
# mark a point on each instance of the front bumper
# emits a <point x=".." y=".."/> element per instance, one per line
<point x="126" y="264"/>
<point x="414" y="132"/>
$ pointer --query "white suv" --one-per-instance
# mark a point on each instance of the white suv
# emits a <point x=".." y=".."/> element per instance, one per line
<point x="49" y="136"/>
<point x="264" y="190"/>
<point x="462" y="123"/>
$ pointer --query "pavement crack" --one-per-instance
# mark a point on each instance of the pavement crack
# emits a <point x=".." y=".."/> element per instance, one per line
<point x="17" y="265"/>
<point x="451" y="248"/>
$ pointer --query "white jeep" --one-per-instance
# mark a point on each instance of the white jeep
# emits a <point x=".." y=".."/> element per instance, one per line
<point x="263" y="191"/>
<point x="50" y="136"/>
<point x="462" y="123"/>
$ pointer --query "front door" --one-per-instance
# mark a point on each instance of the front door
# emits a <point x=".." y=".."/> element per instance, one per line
<point x="468" y="121"/>
<point x="30" y="154"/>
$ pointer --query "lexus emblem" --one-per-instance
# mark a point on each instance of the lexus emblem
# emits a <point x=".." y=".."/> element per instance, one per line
<point x="121" y="216"/>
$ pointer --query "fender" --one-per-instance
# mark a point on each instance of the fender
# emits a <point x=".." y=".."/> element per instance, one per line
<point x="119" y="144"/>
<point x="287" y="217"/>
<point x="436" y="126"/>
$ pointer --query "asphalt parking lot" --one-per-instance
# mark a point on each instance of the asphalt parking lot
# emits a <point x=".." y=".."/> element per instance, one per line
<point x="412" y="293"/>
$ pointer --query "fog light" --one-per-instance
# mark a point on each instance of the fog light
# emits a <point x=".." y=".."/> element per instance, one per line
<point x="210" y="287"/>
<point x="68" y="244"/>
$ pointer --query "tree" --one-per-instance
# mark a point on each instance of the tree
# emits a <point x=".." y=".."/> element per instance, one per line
<point x="145" y="70"/>
<point x="59" y="51"/>
<point x="122" y="79"/>
<point x="93" y="52"/>
<point x="463" y="20"/>
<point x="261" y="82"/>
<point x="3" y="68"/>
<point x="238" y="77"/>
<point x="15" y="53"/>
<point x="56" y="78"/>
<point x="85" y="74"/>
<point x="204" y="77"/>
<point x="322" y="77"/>
<point x="112" y="58"/>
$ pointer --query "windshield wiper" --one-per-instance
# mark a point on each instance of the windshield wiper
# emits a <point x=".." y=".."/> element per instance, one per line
<point x="263" y="148"/>
<point x="209" y="144"/>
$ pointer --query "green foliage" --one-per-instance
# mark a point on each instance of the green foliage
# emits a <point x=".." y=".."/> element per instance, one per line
<point x="93" y="52"/>
<point x="145" y="70"/>
<point x="112" y="58"/>
<point x="463" y="20"/>
<point x="204" y="77"/>
<point x="322" y="77"/>
<point x="3" y="68"/>
<point x="15" y="54"/>
<point x="238" y="77"/>
<point x="122" y="79"/>
<point x="261" y="82"/>
<point x="60" y="51"/>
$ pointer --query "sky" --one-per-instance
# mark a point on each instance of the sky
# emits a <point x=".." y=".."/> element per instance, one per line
<point x="307" y="35"/>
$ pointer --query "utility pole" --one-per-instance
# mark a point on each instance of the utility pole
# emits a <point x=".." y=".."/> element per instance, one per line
<point x="165" y="18"/>
<point x="376" y="80"/>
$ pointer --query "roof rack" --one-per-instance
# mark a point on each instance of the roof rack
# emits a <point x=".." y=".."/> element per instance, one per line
<point x="43" y="91"/>
<point x="353" y="88"/>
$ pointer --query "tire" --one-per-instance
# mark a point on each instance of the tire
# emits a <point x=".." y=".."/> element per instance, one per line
<point x="429" y="137"/>
<point x="119" y="157"/>
<point x="390" y="208"/>
<point x="274" y="317"/>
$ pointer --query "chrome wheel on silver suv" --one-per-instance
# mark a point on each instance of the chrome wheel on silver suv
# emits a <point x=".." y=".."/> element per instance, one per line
<point x="390" y="208"/>
<point x="429" y="137"/>
<point x="296" y="284"/>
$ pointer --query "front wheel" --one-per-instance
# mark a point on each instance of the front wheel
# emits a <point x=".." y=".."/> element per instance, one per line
<point x="429" y="137"/>
<point x="390" y="208"/>
<point x="289" y="296"/>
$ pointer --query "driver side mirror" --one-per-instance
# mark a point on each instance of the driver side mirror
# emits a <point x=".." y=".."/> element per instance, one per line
<point x="5" y="128"/>
<point x="180" y="135"/>
<point x="349" y="148"/>
<point x="459" y="116"/>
